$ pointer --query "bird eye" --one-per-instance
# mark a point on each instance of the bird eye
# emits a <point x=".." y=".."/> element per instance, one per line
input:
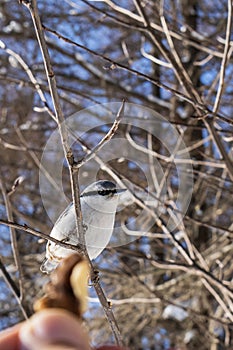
<point x="103" y="192"/>
<point x="106" y="192"/>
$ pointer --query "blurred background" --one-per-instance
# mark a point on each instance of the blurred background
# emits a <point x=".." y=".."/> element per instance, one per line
<point x="168" y="269"/>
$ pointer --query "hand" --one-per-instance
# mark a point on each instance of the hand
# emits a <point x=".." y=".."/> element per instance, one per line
<point x="49" y="329"/>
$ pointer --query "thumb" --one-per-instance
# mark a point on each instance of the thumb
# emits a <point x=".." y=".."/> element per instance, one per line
<point x="53" y="329"/>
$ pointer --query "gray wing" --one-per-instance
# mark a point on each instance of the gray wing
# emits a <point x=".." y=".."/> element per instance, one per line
<point x="65" y="226"/>
<point x="63" y="214"/>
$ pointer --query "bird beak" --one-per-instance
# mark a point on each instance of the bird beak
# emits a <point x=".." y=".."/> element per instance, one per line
<point x="121" y="190"/>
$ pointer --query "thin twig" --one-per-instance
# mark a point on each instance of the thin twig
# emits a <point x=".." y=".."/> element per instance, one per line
<point x="32" y="6"/>
<point x="14" y="288"/>
<point x="135" y="72"/>
<point x="29" y="73"/>
<point x="219" y="299"/>
<point x="195" y="270"/>
<point x="170" y="158"/>
<point x="182" y="74"/>
<point x="106" y="138"/>
<point x="225" y="58"/>
<point x="42" y="235"/>
<point x="37" y="161"/>
<point x="138" y="19"/>
<point x="15" y="249"/>
<point x="165" y="265"/>
<point x="186" y="82"/>
<point x="204" y="109"/>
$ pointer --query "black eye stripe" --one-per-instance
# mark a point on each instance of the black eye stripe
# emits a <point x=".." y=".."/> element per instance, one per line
<point x="106" y="192"/>
<point x="100" y="192"/>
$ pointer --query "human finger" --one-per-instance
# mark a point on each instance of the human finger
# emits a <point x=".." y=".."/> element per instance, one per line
<point x="51" y="327"/>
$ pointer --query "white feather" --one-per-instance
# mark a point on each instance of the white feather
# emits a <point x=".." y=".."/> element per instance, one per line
<point x="98" y="218"/>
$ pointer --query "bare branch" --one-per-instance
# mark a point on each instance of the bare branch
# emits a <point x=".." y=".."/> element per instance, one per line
<point x="15" y="290"/>
<point x="106" y="137"/>
<point x="15" y="249"/>
<point x="225" y="58"/>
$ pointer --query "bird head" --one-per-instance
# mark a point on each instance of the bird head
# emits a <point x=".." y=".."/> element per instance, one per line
<point x="102" y="194"/>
